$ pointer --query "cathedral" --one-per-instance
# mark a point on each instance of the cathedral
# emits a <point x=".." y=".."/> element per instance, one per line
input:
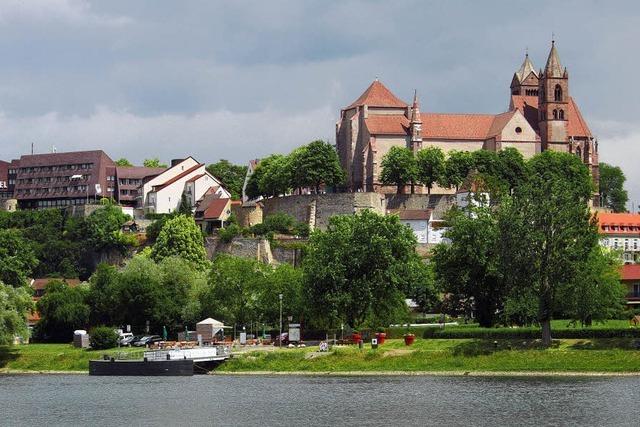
<point x="541" y="116"/>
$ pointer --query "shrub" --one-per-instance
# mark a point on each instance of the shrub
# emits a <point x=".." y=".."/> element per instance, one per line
<point x="227" y="234"/>
<point x="103" y="337"/>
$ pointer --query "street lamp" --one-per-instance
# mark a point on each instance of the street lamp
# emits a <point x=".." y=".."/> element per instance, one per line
<point x="280" y="341"/>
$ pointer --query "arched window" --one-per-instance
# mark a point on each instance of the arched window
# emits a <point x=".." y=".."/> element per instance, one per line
<point x="579" y="152"/>
<point x="557" y="93"/>
<point x="561" y="115"/>
<point x="555" y="114"/>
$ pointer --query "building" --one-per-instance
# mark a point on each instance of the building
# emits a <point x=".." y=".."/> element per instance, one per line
<point x="541" y="116"/>
<point x="163" y="193"/>
<point x="212" y="212"/>
<point x="67" y="179"/>
<point x="621" y="232"/>
<point x="630" y="277"/>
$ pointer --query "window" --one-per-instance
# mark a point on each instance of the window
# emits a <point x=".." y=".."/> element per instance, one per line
<point x="518" y="129"/>
<point x="561" y="115"/>
<point x="555" y="114"/>
<point x="636" y="290"/>
<point x="557" y="93"/>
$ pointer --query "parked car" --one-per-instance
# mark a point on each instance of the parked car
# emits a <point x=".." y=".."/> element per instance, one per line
<point x="127" y="339"/>
<point x="146" y="340"/>
<point x="284" y="338"/>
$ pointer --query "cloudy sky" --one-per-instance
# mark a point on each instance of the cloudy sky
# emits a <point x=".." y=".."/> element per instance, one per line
<point x="239" y="80"/>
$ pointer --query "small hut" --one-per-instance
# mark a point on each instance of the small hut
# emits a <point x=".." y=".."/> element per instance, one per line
<point x="210" y="330"/>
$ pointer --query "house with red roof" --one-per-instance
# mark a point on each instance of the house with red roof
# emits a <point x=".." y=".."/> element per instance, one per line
<point x="541" y="116"/>
<point x="630" y="277"/>
<point x="212" y="212"/>
<point x="621" y="232"/>
<point x="163" y="193"/>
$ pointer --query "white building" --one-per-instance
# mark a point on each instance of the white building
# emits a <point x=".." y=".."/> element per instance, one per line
<point x="163" y="193"/>
<point x="621" y="232"/>
<point x="425" y="226"/>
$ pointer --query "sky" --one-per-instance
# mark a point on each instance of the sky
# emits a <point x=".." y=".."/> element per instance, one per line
<point x="240" y="80"/>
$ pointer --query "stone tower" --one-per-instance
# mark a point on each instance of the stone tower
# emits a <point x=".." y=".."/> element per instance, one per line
<point x="526" y="80"/>
<point x="553" y="103"/>
<point x="415" y="125"/>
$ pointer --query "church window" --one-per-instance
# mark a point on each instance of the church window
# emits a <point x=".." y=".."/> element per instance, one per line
<point x="557" y="93"/>
<point x="578" y="152"/>
<point x="561" y="114"/>
<point x="555" y="114"/>
<point x="518" y="129"/>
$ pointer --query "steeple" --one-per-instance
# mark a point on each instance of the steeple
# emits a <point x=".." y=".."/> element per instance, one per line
<point x="416" y="124"/>
<point x="526" y="68"/>
<point x="525" y="80"/>
<point x="553" y="67"/>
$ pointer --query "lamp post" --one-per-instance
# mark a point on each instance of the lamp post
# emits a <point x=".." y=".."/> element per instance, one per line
<point x="280" y="340"/>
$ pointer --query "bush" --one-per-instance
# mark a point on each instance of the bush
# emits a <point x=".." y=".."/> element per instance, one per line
<point x="280" y="223"/>
<point x="103" y="337"/>
<point x="227" y="234"/>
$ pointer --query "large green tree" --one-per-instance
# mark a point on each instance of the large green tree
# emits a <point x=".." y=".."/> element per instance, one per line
<point x="15" y="303"/>
<point x="612" y="192"/>
<point x="122" y="162"/>
<point x="457" y="167"/>
<point x="316" y="164"/>
<point x="230" y="176"/>
<point x="430" y="163"/>
<point x="17" y="258"/>
<point x="512" y="167"/>
<point x="468" y="268"/>
<point x="62" y="309"/>
<point x="547" y="230"/>
<point x="181" y="236"/>
<point x="357" y="269"/>
<point x="399" y="168"/>
<point x="153" y="163"/>
<point x="104" y="229"/>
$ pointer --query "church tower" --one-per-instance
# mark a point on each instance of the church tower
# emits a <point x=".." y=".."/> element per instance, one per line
<point x="553" y="103"/>
<point x="415" y="126"/>
<point x="526" y="80"/>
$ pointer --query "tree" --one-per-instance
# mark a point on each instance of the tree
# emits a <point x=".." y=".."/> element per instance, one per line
<point x="275" y="176"/>
<point x="230" y="176"/>
<point x="153" y="163"/>
<point x="15" y="303"/>
<point x="430" y="162"/>
<point x="181" y="237"/>
<point x="185" y="206"/>
<point x="122" y="162"/>
<point x="547" y="230"/>
<point x="399" y="168"/>
<point x="17" y="258"/>
<point x="457" y="167"/>
<point x="512" y="167"/>
<point x="62" y="309"/>
<point x="103" y="296"/>
<point x="468" y="269"/>
<point x="595" y="293"/>
<point x="316" y="164"/>
<point x="612" y="192"/>
<point x="104" y="229"/>
<point x="357" y="267"/>
<point x="286" y="280"/>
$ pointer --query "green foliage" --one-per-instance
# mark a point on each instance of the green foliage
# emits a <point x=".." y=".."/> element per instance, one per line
<point x="153" y="230"/>
<point x="612" y="192"/>
<point x="356" y="267"/>
<point x="431" y="166"/>
<point x="15" y="303"/>
<point x="180" y="236"/>
<point x="457" y="167"/>
<point x="185" y="207"/>
<point x="103" y="295"/>
<point x="62" y="310"/>
<point x="399" y="168"/>
<point x="153" y="163"/>
<point x="104" y="229"/>
<point x="228" y="233"/>
<point x="122" y="162"/>
<point x="103" y="338"/>
<point x="527" y="333"/>
<point x="17" y="258"/>
<point x="230" y="176"/>
<point x="280" y="223"/>
<point x="316" y="164"/>
<point x="512" y="167"/>
<point x="468" y="269"/>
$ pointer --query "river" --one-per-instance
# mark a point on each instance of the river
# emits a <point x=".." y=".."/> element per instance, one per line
<point x="298" y="400"/>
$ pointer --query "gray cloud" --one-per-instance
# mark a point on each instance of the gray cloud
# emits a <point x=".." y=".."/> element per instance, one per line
<point x="241" y="79"/>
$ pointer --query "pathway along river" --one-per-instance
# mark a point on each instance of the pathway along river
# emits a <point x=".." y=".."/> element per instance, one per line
<point x="299" y="400"/>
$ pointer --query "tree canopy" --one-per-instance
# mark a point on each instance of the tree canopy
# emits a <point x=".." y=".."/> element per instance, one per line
<point x="431" y="166"/>
<point x="612" y="192"/>
<point x="62" y="309"/>
<point x="316" y="164"/>
<point x="399" y="168"/>
<point x="230" y="176"/>
<point x="122" y="162"/>
<point x="457" y="167"/>
<point x="153" y="163"/>
<point x="180" y="236"/>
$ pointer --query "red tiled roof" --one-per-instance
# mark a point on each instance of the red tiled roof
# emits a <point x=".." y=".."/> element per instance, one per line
<point x="408" y="214"/>
<point x="618" y="219"/>
<point x="137" y="171"/>
<point x="70" y="157"/>
<point x="387" y="125"/>
<point x="195" y="178"/>
<point x="177" y="177"/>
<point x="456" y="126"/>
<point x="377" y="95"/>
<point x="215" y="208"/>
<point x="576" y="125"/>
<point x="630" y="272"/>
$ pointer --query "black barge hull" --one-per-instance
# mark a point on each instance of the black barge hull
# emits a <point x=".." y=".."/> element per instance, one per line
<point x="160" y="368"/>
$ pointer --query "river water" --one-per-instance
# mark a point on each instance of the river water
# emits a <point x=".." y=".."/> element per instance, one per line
<point x="297" y="400"/>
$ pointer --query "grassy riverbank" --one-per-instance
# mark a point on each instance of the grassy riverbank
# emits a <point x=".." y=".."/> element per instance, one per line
<point x="602" y="355"/>
<point x="49" y="357"/>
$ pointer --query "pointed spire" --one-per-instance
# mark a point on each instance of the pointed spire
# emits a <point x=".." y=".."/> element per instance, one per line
<point x="553" y="67"/>
<point x="526" y="68"/>
<point x="415" y="109"/>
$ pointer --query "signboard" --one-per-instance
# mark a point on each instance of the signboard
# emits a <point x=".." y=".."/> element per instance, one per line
<point x="98" y="189"/>
<point x="243" y="338"/>
<point x="3" y="185"/>
<point x="294" y="332"/>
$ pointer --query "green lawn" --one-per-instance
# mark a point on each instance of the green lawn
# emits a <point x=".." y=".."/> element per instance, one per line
<point x="604" y="355"/>
<point x="50" y="357"/>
